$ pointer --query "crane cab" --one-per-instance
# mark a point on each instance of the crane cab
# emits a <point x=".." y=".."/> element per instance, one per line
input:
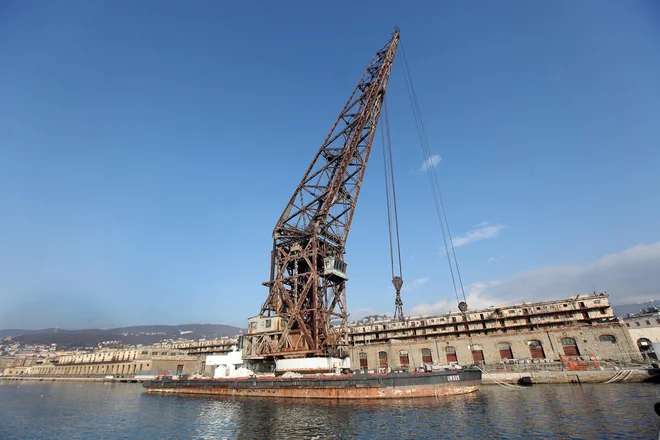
<point x="334" y="267"/>
<point x="265" y="324"/>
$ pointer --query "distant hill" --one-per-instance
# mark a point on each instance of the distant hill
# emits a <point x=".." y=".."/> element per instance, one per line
<point x="142" y="334"/>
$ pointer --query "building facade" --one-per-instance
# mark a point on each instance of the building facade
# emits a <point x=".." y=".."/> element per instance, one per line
<point x="580" y="326"/>
<point x="644" y="329"/>
<point x="118" y="363"/>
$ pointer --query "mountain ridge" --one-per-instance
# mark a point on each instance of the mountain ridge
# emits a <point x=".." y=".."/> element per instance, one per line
<point x="130" y="335"/>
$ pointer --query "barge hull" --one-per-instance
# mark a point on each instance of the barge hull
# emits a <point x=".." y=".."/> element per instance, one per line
<point x="360" y="386"/>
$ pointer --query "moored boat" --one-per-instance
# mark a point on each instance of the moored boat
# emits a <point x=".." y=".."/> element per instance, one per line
<point x="339" y="386"/>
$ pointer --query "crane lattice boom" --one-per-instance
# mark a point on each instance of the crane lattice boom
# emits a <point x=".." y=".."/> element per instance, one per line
<point x="305" y="311"/>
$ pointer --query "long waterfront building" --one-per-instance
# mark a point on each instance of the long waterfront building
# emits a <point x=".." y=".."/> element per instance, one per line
<point x="579" y="326"/>
<point x="582" y="326"/>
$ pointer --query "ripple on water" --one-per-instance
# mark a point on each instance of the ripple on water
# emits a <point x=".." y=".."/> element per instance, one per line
<point x="109" y="411"/>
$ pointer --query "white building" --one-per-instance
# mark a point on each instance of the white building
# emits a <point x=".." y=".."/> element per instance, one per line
<point x="226" y="365"/>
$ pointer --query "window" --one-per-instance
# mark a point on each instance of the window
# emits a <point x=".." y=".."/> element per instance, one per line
<point x="363" y="361"/>
<point x="451" y="354"/>
<point x="570" y="347"/>
<point x="145" y="352"/>
<point x="267" y="323"/>
<point x="426" y="356"/>
<point x="628" y="324"/>
<point x="505" y="350"/>
<point x="382" y="359"/>
<point x="477" y="353"/>
<point x="648" y="322"/>
<point x="644" y="344"/>
<point x="536" y="349"/>
<point x="404" y="361"/>
<point x="657" y="320"/>
<point x="607" y="338"/>
<point x="637" y="323"/>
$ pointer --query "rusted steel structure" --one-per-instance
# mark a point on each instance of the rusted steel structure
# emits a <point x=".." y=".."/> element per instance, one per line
<point x="305" y="311"/>
<point x="351" y="386"/>
<point x="303" y="322"/>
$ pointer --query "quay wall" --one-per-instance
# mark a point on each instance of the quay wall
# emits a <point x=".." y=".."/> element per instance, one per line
<point x="570" y="377"/>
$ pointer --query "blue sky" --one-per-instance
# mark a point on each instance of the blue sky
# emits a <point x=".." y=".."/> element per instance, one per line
<point x="148" y="148"/>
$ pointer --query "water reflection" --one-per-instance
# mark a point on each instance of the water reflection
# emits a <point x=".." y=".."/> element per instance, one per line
<point x="124" y="411"/>
<point x="217" y="418"/>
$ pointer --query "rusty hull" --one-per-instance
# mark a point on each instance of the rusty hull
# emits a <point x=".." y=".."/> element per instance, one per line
<point x="352" y="386"/>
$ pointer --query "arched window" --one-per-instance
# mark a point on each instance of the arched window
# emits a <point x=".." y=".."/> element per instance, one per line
<point x="644" y="344"/>
<point x="536" y="349"/>
<point x="363" y="361"/>
<point x="451" y="354"/>
<point x="477" y="353"/>
<point x="570" y="347"/>
<point x="426" y="356"/>
<point x="505" y="350"/>
<point x="403" y="359"/>
<point x="607" y="338"/>
<point x="382" y="359"/>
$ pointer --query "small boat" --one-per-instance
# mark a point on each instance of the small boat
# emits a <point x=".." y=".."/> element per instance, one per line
<point x="330" y="386"/>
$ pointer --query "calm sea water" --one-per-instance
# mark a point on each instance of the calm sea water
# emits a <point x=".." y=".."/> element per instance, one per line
<point x="48" y="410"/>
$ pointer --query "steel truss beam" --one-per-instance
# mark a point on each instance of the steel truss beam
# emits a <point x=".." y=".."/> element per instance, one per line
<point x="315" y="225"/>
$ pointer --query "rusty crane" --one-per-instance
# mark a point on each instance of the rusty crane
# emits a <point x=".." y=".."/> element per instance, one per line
<point x="305" y="311"/>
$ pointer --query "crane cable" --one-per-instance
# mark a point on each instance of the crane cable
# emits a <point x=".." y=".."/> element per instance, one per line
<point x="429" y="167"/>
<point x="388" y="167"/>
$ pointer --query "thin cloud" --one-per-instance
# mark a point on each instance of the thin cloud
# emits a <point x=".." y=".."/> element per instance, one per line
<point x="431" y="162"/>
<point x="438" y="308"/>
<point x="628" y="276"/>
<point x="360" y="313"/>
<point x="483" y="231"/>
<point x="414" y="284"/>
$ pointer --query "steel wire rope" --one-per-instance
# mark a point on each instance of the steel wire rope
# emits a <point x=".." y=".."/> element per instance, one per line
<point x="433" y="179"/>
<point x="394" y="204"/>
<point x="387" y="197"/>
<point x="392" y="210"/>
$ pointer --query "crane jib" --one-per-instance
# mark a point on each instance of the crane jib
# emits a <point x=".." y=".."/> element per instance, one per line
<point x="305" y="310"/>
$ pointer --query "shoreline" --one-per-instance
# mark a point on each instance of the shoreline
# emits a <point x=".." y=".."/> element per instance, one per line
<point x="71" y="379"/>
<point x="633" y="375"/>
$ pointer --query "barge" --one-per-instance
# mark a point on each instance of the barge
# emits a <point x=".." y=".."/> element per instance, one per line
<point x="335" y="386"/>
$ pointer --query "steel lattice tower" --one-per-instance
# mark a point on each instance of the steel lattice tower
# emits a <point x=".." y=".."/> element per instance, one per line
<point x="305" y="311"/>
